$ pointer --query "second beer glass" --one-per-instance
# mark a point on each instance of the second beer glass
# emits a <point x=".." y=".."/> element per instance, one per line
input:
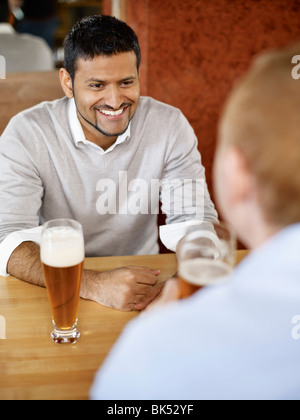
<point x="62" y="256"/>
<point x="205" y="256"/>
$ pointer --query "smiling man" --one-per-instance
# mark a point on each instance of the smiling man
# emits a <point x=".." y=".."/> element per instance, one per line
<point x="104" y="156"/>
<point x="105" y="107"/>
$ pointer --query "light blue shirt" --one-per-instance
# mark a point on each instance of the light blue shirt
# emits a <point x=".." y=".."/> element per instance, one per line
<point x="235" y="341"/>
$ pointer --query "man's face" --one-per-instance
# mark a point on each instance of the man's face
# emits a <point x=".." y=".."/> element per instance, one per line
<point x="106" y="92"/>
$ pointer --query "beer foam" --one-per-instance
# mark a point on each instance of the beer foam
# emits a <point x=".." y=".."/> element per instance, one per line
<point x="62" y="247"/>
<point x="203" y="271"/>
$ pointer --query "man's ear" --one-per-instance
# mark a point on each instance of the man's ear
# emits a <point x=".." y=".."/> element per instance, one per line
<point x="240" y="179"/>
<point x="66" y="83"/>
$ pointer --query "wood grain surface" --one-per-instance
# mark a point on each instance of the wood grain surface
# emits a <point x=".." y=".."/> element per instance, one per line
<point x="34" y="368"/>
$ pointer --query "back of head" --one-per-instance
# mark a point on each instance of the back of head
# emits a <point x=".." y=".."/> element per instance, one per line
<point x="4" y="11"/>
<point x="99" y="36"/>
<point x="262" y="119"/>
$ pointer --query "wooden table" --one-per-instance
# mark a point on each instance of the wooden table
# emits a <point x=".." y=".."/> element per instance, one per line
<point x="34" y="368"/>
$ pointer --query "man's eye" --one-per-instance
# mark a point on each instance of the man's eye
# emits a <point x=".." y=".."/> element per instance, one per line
<point x="96" y="86"/>
<point x="129" y="83"/>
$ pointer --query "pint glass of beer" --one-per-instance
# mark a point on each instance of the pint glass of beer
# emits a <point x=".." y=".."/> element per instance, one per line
<point x="62" y="256"/>
<point x="205" y="256"/>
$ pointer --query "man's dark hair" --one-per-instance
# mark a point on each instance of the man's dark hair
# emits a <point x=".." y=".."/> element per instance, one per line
<point x="4" y="11"/>
<point x="99" y="35"/>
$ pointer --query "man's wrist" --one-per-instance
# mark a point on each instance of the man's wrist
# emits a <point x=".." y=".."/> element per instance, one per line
<point x="91" y="285"/>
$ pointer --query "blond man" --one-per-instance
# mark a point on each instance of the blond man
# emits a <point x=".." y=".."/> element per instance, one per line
<point x="239" y="340"/>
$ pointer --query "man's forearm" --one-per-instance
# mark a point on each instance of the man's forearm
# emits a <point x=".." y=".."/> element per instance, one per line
<point x="126" y="289"/>
<point x="25" y="264"/>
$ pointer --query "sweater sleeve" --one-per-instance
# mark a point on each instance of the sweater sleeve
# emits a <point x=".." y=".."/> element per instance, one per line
<point x="21" y="190"/>
<point x="184" y="192"/>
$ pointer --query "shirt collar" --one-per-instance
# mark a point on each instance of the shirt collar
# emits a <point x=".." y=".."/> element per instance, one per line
<point x="6" y="28"/>
<point x="78" y="134"/>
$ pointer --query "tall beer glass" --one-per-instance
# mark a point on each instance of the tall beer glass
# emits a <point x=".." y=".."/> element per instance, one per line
<point x="205" y="255"/>
<point x="62" y="256"/>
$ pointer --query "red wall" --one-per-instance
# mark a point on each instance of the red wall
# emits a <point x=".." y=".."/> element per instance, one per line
<point x="194" y="50"/>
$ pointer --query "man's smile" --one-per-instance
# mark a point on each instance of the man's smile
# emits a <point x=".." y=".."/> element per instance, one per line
<point x="111" y="114"/>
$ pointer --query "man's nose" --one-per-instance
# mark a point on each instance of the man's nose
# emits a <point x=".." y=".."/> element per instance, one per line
<point x="113" y="97"/>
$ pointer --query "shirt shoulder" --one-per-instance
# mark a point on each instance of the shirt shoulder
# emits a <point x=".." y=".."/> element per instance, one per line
<point x="41" y="113"/>
<point x="158" y="117"/>
<point x="42" y="121"/>
<point x="150" y="105"/>
<point x="48" y="108"/>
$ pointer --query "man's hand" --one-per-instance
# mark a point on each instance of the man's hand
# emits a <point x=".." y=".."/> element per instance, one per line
<point x="126" y="289"/>
<point x="169" y="293"/>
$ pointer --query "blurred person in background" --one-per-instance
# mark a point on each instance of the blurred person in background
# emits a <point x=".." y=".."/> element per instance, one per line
<point x="23" y="53"/>
<point x="39" y="19"/>
<point x="238" y="340"/>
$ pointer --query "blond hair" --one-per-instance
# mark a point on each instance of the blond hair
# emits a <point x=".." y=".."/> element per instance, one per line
<point x="262" y="119"/>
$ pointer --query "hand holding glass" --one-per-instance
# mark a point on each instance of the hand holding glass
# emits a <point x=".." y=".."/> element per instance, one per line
<point x="62" y="255"/>
<point x="205" y="255"/>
